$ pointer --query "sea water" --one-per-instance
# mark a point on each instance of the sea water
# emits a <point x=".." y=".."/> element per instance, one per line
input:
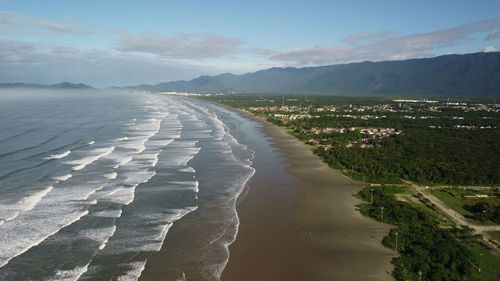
<point x="91" y="183"/>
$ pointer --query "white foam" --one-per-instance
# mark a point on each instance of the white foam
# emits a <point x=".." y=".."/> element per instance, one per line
<point x="185" y="185"/>
<point x="188" y="170"/>
<point x="99" y="153"/>
<point x="108" y="213"/>
<point x="100" y="235"/>
<point x="164" y="225"/>
<point x="69" y="274"/>
<point x="123" y="161"/>
<point x="134" y="273"/>
<point x="58" y="156"/>
<point x="111" y="176"/>
<point x="63" y="178"/>
<point x="87" y="196"/>
<point x="29" y="236"/>
<point x="122" y="139"/>
<point x="91" y="142"/>
<point x="105" y="242"/>
<point x="29" y="202"/>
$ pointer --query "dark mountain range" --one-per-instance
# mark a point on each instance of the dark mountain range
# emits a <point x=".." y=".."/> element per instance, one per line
<point x="59" y="86"/>
<point x="475" y="74"/>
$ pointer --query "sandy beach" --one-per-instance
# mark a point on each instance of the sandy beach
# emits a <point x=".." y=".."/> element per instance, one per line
<point x="298" y="220"/>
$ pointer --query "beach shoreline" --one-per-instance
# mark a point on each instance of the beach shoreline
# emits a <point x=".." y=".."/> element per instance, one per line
<point x="299" y="221"/>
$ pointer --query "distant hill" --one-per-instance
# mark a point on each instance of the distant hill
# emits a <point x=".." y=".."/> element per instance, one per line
<point x="61" y="86"/>
<point x="475" y="74"/>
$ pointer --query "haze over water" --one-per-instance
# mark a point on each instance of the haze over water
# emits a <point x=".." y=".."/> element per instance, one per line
<point x="91" y="183"/>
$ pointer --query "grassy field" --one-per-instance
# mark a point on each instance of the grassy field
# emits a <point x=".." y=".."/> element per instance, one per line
<point x="451" y="200"/>
<point x="490" y="269"/>
<point x="457" y="198"/>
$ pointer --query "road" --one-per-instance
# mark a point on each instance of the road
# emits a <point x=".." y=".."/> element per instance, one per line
<point x="459" y="219"/>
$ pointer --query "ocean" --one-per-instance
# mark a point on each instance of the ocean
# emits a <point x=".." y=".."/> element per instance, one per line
<point x="93" y="185"/>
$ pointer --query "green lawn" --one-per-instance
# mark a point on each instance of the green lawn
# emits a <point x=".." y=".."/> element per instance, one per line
<point x="451" y="201"/>
<point x="490" y="269"/>
<point x="454" y="198"/>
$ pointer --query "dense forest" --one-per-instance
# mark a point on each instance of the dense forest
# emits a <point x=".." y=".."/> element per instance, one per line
<point x="446" y="156"/>
<point x="441" y="142"/>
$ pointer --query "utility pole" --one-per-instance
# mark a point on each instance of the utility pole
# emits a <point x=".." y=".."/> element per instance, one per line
<point x="479" y="268"/>
<point x="371" y="199"/>
<point x="382" y="214"/>
<point x="396" y="241"/>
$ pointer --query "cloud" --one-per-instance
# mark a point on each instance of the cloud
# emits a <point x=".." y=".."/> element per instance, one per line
<point x="178" y="47"/>
<point x="363" y="38"/>
<point x="262" y="51"/>
<point x="16" y="23"/>
<point x="377" y="46"/>
<point x="488" y="49"/>
<point x="35" y="62"/>
<point x="494" y="33"/>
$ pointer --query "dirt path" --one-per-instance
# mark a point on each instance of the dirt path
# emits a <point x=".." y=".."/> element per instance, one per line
<point x="461" y="220"/>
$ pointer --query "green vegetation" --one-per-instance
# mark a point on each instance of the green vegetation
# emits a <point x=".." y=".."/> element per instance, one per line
<point x="387" y="141"/>
<point x="473" y="203"/>
<point x="440" y="254"/>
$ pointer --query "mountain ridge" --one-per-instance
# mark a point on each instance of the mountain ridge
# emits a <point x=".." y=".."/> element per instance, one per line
<point x="58" y="86"/>
<point x="475" y="74"/>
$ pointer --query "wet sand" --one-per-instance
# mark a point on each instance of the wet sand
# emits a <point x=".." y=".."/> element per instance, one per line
<point x="298" y="219"/>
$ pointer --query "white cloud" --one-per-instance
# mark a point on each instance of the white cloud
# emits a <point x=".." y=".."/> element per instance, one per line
<point x="22" y="61"/>
<point x="16" y="23"/>
<point x="491" y="49"/>
<point x="377" y="46"/>
<point x="178" y="47"/>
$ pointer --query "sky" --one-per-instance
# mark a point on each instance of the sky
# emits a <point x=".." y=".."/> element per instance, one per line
<point x="130" y="42"/>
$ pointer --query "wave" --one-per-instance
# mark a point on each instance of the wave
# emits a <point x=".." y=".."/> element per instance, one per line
<point x="123" y="161"/>
<point x="134" y="273"/>
<point x="58" y="156"/>
<point x="188" y="170"/>
<point x="87" y="196"/>
<point x="25" y="241"/>
<point x="29" y="202"/>
<point x="29" y="147"/>
<point x="111" y="176"/>
<point x="18" y="134"/>
<point x="25" y="204"/>
<point x="155" y="242"/>
<point x="63" y="178"/>
<point x="108" y="213"/>
<point x="82" y="163"/>
<point x="100" y="235"/>
<point x="186" y="185"/>
<point x="69" y="274"/>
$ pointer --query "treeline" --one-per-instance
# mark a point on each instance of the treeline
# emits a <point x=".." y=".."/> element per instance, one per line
<point x="447" y="156"/>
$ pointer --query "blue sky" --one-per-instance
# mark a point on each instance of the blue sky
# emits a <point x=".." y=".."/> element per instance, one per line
<point x="127" y="42"/>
